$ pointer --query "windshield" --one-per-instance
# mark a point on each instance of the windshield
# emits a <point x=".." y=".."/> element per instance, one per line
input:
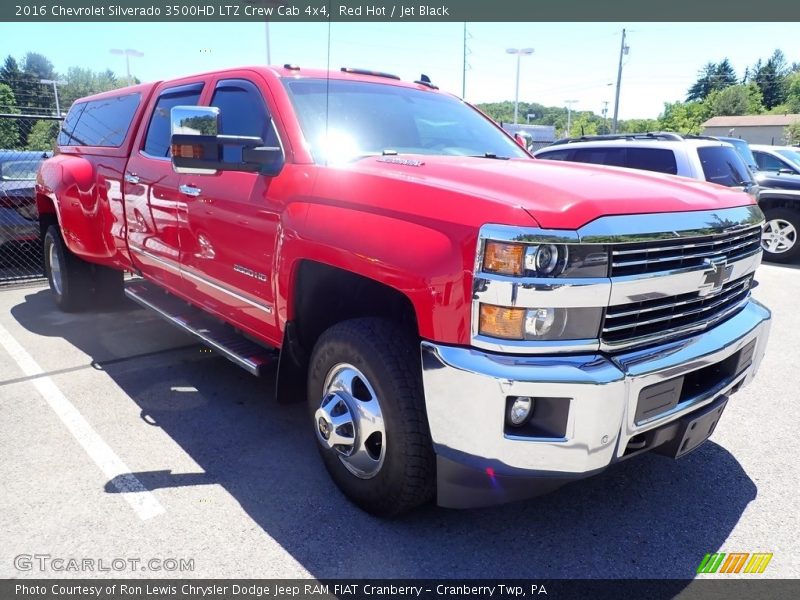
<point x="791" y="155"/>
<point x="19" y="170"/>
<point x="743" y="148"/>
<point x="369" y="118"/>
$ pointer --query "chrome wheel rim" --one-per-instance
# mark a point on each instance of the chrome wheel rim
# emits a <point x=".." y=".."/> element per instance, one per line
<point x="55" y="269"/>
<point x="779" y="236"/>
<point x="349" y="421"/>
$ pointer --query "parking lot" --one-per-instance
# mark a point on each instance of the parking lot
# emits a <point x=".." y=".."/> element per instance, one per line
<point x="124" y="439"/>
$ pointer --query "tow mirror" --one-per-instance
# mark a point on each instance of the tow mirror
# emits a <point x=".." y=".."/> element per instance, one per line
<point x="523" y="139"/>
<point x="197" y="147"/>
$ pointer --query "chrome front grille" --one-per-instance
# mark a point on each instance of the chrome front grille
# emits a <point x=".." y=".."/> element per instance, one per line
<point x="668" y="255"/>
<point x="628" y="324"/>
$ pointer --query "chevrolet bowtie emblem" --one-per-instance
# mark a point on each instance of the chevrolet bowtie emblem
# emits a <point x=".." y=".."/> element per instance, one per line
<point x="715" y="276"/>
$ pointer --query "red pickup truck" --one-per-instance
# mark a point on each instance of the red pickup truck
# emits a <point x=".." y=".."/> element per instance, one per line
<point x="465" y="322"/>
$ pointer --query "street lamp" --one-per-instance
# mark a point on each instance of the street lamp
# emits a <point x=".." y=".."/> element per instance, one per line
<point x="519" y="52"/>
<point x="128" y="53"/>
<point x="55" y="84"/>
<point x="569" y="104"/>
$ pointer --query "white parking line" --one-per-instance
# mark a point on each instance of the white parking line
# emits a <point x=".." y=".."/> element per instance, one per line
<point x="143" y="502"/>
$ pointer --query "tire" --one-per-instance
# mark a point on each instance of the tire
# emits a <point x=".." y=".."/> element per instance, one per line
<point x="399" y="473"/>
<point x="782" y="234"/>
<point x="70" y="278"/>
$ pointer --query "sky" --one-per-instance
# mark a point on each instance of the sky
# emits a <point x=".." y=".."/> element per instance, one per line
<point x="571" y="61"/>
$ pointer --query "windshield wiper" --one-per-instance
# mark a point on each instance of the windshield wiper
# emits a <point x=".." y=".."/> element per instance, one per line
<point x="490" y="155"/>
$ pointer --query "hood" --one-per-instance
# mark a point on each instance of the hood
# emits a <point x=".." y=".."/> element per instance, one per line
<point x="17" y="188"/>
<point x="558" y="195"/>
<point x="782" y="181"/>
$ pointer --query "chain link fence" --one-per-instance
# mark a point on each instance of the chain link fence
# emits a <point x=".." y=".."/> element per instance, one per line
<point x="25" y="141"/>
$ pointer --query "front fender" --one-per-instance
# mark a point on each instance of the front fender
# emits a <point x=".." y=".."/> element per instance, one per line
<point x="430" y="266"/>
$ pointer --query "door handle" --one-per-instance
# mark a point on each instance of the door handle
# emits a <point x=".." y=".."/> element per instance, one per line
<point x="131" y="178"/>
<point x="190" y="190"/>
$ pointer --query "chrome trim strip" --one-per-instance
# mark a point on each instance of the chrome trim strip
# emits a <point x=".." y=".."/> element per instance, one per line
<point x="623" y="229"/>
<point x="204" y="280"/>
<point x="219" y="287"/>
<point x="665" y="305"/>
<point x="722" y="299"/>
<point x="628" y="289"/>
<point x="165" y="262"/>
<point x="542" y="292"/>
<point x="670" y="334"/>
<point x="753" y="232"/>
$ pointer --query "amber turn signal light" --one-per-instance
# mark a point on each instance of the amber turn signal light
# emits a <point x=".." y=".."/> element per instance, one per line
<point x="502" y="322"/>
<point x="187" y="151"/>
<point x="506" y="259"/>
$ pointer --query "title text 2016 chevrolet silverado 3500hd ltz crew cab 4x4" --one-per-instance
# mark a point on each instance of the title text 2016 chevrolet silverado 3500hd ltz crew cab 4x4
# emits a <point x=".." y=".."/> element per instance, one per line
<point x="470" y="324"/>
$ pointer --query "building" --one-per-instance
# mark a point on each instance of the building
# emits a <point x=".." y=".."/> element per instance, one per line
<point x="754" y="129"/>
<point x="539" y="135"/>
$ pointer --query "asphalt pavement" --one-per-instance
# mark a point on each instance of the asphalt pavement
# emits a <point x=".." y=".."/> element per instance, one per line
<point x="127" y="445"/>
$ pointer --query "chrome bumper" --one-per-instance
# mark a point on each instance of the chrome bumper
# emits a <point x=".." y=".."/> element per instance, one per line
<point x="466" y="392"/>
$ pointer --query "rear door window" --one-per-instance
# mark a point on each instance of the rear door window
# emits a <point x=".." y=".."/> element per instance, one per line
<point x="159" y="131"/>
<point x="722" y="165"/>
<point x="660" y="160"/>
<point x="103" y="123"/>
<point x="613" y="157"/>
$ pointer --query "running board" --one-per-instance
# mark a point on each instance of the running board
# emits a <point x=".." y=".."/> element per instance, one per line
<point x="210" y="331"/>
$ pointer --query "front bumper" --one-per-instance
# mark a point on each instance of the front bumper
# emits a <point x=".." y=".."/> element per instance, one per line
<point x="594" y="397"/>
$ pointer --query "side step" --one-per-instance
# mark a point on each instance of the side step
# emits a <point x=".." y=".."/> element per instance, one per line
<point x="210" y="331"/>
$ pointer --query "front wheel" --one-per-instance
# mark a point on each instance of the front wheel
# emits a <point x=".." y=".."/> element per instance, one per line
<point x="368" y="414"/>
<point x="780" y="237"/>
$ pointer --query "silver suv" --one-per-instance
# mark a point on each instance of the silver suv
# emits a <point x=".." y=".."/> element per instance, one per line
<point x="704" y="158"/>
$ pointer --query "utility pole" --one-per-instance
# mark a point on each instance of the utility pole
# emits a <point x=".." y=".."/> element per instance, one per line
<point x="55" y="91"/>
<point x="623" y="51"/>
<point x="605" y="116"/>
<point x="519" y="52"/>
<point x="569" y="104"/>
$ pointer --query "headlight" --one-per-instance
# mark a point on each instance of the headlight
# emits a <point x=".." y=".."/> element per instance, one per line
<point x="545" y="260"/>
<point x="539" y="324"/>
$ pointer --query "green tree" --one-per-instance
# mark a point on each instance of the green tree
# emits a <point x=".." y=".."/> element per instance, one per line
<point x="710" y="78"/>
<point x="792" y="134"/>
<point x="743" y="99"/>
<point x="43" y="135"/>
<point x="84" y="82"/>
<point x="684" y="117"/>
<point x="9" y="128"/>
<point x="770" y="77"/>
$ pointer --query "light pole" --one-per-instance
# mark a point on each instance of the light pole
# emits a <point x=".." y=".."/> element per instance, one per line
<point x="127" y="53"/>
<point x="55" y="91"/>
<point x="569" y="104"/>
<point x="519" y="52"/>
